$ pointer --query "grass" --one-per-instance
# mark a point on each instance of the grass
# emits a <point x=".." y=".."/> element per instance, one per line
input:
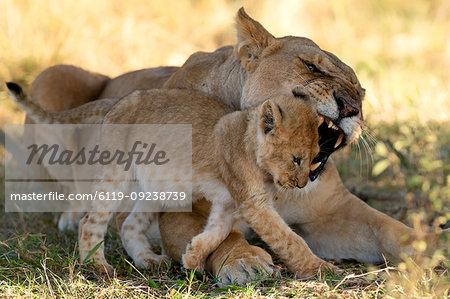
<point x="46" y="265"/>
<point x="401" y="53"/>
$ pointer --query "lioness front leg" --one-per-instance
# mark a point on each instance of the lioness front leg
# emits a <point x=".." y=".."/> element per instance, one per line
<point x="292" y="249"/>
<point x="337" y="225"/>
<point x="354" y="230"/>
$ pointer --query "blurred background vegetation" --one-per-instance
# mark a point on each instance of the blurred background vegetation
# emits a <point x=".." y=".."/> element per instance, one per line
<point x="399" y="49"/>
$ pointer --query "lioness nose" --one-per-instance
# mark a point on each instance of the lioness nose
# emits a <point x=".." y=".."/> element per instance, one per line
<point x="345" y="108"/>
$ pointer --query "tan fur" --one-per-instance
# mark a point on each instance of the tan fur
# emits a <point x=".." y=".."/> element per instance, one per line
<point x="142" y="79"/>
<point x="58" y="88"/>
<point x="334" y="223"/>
<point x="64" y="87"/>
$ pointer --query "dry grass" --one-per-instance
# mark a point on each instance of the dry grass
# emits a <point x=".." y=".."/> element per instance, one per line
<point x="399" y="49"/>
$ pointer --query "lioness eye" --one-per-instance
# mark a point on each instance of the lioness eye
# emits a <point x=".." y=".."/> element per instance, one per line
<point x="312" y="68"/>
<point x="297" y="160"/>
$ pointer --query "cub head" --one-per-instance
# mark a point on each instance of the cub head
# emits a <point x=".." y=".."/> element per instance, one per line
<point x="288" y="140"/>
<point x="289" y="66"/>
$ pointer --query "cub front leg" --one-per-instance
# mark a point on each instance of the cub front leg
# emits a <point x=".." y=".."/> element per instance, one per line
<point x="220" y="222"/>
<point x="292" y="249"/>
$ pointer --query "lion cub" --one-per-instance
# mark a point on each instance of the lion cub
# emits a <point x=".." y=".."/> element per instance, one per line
<point x="255" y="151"/>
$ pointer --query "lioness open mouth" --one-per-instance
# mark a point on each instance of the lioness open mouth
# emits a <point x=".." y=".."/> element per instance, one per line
<point x="331" y="138"/>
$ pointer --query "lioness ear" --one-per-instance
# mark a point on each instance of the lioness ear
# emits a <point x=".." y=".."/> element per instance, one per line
<point x="252" y="38"/>
<point x="271" y="115"/>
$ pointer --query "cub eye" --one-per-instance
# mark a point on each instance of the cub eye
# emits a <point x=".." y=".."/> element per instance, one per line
<point x="299" y="92"/>
<point x="297" y="160"/>
<point x="312" y="68"/>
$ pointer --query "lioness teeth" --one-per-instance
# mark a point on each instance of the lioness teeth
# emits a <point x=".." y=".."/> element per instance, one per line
<point x="339" y="140"/>
<point x="321" y="119"/>
<point x="330" y="124"/>
<point x="314" y="166"/>
<point x="335" y="127"/>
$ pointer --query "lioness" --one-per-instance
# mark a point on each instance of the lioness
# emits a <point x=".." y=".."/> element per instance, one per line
<point x="334" y="223"/>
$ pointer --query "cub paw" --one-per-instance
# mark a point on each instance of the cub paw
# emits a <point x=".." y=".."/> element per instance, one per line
<point x="193" y="260"/>
<point x="104" y="269"/>
<point x="149" y="259"/>
<point x="330" y="268"/>
<point x="317" y="268"/>
<point x="68" y="221"/>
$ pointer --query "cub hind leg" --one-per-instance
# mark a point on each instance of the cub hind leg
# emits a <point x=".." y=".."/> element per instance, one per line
<point x="134" y="239"/>
<point x="68" y="221"/>
<point x="92" y="231"/>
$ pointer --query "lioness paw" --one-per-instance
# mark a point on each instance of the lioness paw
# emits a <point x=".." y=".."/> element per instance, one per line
<point x="328" y="267"/>
<point x="245" y="270"/>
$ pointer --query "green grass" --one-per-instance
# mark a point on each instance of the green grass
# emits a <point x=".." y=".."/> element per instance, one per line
<point x="46" y="265"/>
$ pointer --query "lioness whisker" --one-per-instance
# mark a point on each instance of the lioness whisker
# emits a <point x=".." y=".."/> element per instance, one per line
<point x="368" y="147"/>
<point x="360" y="160"/>
<point x="368" y="152"/>
<point x="300" y="76"/>
<point x="293" y="80"/>
<point x="366" y="132"/>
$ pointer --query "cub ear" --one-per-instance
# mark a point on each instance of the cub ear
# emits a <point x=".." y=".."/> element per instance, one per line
<point x="252" y="38"/>
<point x="270" y="116"/>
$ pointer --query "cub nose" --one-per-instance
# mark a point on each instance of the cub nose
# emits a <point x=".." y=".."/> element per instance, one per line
<point x="302" y="182"/>
<point x="300" y="186"/>
<point x="345" y="108"/>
